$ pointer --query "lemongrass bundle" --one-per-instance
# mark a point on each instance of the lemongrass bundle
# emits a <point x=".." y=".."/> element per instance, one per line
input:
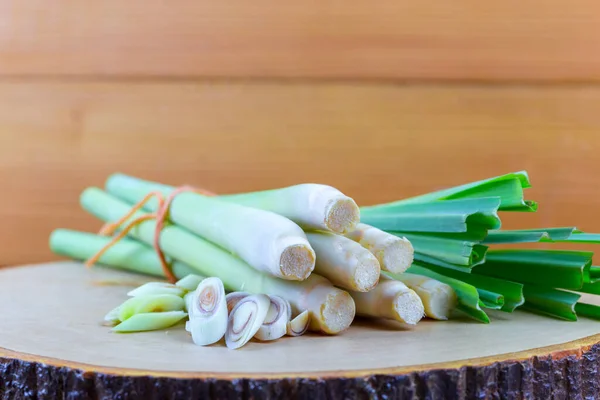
<point x="390" y="299"/>
<point x="395" y="254"/>
<point x="265" y="240"/>
<point x="332" y="309"/>
<point x="344" y="262"/>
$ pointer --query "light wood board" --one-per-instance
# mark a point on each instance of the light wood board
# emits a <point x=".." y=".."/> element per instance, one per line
<point x="53" y="312"/>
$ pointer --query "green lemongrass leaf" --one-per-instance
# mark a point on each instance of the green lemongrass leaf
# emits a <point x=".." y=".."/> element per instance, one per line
<point x="549" y="268"/>
<point x="591" y="288"/>
<point x="553" y="302"/>
<point x="440" y="216"/>
<point x="512" y="292"/>
<point x="155" y="288"/>
<point x="508" y="187"/>
<point x="579" y="237"/>
<point x="468" y="298"/>
<point x="150" y="321"/>
<point x="457" y="252"/>
<point x="190" y="282"/>
<point x="474" y="233"/>
<point x="150" y="303"/>
<point x="427" y="260"/>
<point x="490" y="299"/>
<point x="587" y="310"/>
<point x="549" y="235"/>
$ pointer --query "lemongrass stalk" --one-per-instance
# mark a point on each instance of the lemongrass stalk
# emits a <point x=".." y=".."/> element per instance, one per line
<point x="150" y="303"/>
<point x="390" y="299"/>
<point x="312" y="206"/>
<point x="127" y="254"/>
<point x="150" y="321"/>
<point x="299" y="324"/>
<point x="245" y="319"/>
<point x="207" y="309"/>
<point x="190" y="282"/>
<point x="332" y="309"/>
<point x="395" y="254"/>
<point x="344" y="262"/>
<point x="276" y="320"/>
<point x="439" y="299"/>
<point x="156" y="288"/>
<point x="265" y="240"/>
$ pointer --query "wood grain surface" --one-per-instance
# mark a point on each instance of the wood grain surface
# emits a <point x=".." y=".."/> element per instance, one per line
<point x="375" y="142"/>
<point x="456" y="40"/>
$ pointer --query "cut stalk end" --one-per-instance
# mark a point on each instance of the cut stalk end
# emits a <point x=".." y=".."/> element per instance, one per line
<point x="342" y="215"/>
<point x="409" y="307"/>
<point x="332" y="310"/>
<point x="297" y="262"/>
<point x="367" y="275"/>
<point x="396" y="256"/>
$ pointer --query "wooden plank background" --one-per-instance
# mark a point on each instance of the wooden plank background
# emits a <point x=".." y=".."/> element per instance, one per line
<point x="545" y="40"/>
<point x="382" y="101"/>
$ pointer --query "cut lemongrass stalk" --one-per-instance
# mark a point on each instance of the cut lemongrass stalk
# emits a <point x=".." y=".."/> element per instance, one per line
<point x="312" y="206"/>
<point x="344" y="262"/>
<point x="332" y="309"/>
<point x="267" y="241"/>
<point x="207" y="309"/>
<point x="127" y="253"/>
<point x="233" y="298"/>
<point x="275" y="323"/>
<point x="245" y="319"/>
<point x="155" y="288"/>
<point x="298" y="325"/>
<point x="439" y="299"/>
<point x="190" y="282"/>
<point x="150" y="303"/>
<point x="390" y="299"/>
<point x="112" y="317"/>
<point x="150" y="321"/>
<point x="395" y="254"/>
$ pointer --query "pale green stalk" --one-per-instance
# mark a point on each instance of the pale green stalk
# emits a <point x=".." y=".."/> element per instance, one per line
<point x="150" y="321"/>
<point x="150" y="303"/>
<point x="332" y="310"/>
<point x="267" y="241"/>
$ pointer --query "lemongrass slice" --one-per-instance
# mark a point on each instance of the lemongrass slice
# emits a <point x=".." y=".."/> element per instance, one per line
<point x="150" y="303"/>
<point x="439" y="299"/>
<point x="344" y="262"/>
<point x="233" y="298"/>
<point x="275" y="323"/>
<point x="392" y="300"/>
<point x="299" y="325"/>
<point x="152" y="288"/>
<point x="395" y="254"/>
<point x="246" y="319"/>
<point x="150" y="321"/>
<point x="207" y="309"/>
<point x="112" y="317"/>
<point x="190" y="282"/>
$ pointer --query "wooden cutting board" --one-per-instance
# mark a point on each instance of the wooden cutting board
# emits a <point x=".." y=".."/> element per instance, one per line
<point x="53" y="345"/>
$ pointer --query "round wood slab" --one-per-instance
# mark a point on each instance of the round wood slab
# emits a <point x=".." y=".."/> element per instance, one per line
<point x="53" y="345"/>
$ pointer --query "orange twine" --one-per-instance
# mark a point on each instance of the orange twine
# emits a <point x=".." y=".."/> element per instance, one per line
<point x="160" y="216"/>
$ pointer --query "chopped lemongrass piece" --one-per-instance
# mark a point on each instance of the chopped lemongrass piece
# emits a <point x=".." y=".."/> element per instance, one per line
<point x="390" y="299"/>
<point x="312" y="206"/>
<point x="207" y="309"/>
<point x="512" y="292"/>
<point x="344" y="262"/>
<point x="127" y="253"/>
<point x="439" y="299"/>
<point x="551" y="268"/>
<point x="190" y="282"/>
<point x="155" y="288"/>
<point x="298" y="325"/>
<point x="395" y="254"/>
<point x="267" y="241"/>
<point x="112" y="317"/>
<point x="332" y="309"/>
<point x="468" y="298"/>
<point x="245" y="319"/>
<point x="553" y="302"/>
<point x="275" y="323"/>
<point x="150" y="321"/>
<point x="147" y="303"/>
<point x="233" y="298"/>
